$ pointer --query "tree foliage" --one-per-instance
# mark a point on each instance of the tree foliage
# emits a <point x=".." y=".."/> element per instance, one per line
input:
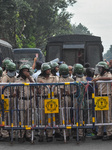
<point x="28" y="23"/>
<point x="108" y="55"/>
<point x="80" y="29"/>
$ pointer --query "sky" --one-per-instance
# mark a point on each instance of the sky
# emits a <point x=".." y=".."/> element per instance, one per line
<point x="96" y="15"/>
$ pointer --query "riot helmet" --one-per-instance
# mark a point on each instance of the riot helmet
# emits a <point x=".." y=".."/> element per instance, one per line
<point x="54" y="67"/>
<point x="24" y="66"/>
<point x="21" y="70"/>
<point x="78" y="70"/>
<point x="102" y="67"/>
<point x="64" y="70"/>
<point x="103" y="64"/>
<point x="44" y="67"/>
<point x="11" y="69"/>
<point x="11" y="66"/>
<point x="5" y="63"/>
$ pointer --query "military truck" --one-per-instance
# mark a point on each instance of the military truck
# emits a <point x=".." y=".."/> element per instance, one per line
<point x="27" y="55"/>
<point x="5" y="50"/>
<point x="75" y="49"/>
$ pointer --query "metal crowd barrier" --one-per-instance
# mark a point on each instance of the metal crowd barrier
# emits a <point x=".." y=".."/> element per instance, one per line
<point x="103" y="105"/>
<point x="53" y="107"/>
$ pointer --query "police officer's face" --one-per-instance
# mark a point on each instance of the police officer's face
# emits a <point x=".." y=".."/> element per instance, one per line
<point x="26" y="72"/>
<point x="57" y="68"/>
<point x="100" y="69"/>
<point x="48" y="72"/>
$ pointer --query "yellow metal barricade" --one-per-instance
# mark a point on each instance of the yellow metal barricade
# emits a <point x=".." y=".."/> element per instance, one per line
<point x="69" y="108"/>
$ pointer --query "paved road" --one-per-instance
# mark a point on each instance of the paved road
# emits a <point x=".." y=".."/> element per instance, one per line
<point x="71" y="145"/>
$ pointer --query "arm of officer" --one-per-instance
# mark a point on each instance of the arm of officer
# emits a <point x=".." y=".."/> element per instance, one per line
<point x="4" y="80"/>
<point x="28" y="76"/>
<point x="102" y="78"/>
<point x="34" y="63"/>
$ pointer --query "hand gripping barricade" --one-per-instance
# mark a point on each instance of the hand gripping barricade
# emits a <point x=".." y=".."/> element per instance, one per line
<point x="69" y="108"/>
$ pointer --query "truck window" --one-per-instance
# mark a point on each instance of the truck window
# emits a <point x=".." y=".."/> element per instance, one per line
<point x="27" y="55"/>
<point x="5" y="50"/>
<point x="72" y="56"/>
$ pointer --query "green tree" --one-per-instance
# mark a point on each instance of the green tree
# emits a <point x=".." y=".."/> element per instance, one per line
<point x="13" y="15"/>
<point x="49" y="19"/>
<point x="108" y="55"/>
<point x="80" y="29"/>
<point x="110" y="48"/>
<point x="7" y="19"/>
<point x="28" y="23"/>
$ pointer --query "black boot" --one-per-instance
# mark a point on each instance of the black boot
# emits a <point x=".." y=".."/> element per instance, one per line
<point x="21" y="140"/>
<point x="41" y="139"/>
<point x="28" y="139"/>
<point x="67" y="138"/>
<point x="49" y="139"/>
<point x="61" y="138"/>
<point x="5" y="139"/>
<point x="106" y="138"/>
<point x="96" y="137"/>
<point x="57" y="135"/>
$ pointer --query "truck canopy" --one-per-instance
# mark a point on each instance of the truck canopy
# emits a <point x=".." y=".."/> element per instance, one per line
<point x="75" y="49"/>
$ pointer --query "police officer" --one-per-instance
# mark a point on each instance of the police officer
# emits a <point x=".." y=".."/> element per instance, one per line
<point x="5" y="62"/>
<point x="54" y="68"/>
<point x="64" y="77"/>
<point x="10" y="73"/>
<point x="104" y="89"/>
<point x="25" y="100"/>
<point x="9" y="77"/>
<point x="45" y="77"/>
<point x="78" y="71"/>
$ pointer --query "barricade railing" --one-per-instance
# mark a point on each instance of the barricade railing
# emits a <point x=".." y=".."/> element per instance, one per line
<point x="53" y="107"/>
<point x="103" y="104"/>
